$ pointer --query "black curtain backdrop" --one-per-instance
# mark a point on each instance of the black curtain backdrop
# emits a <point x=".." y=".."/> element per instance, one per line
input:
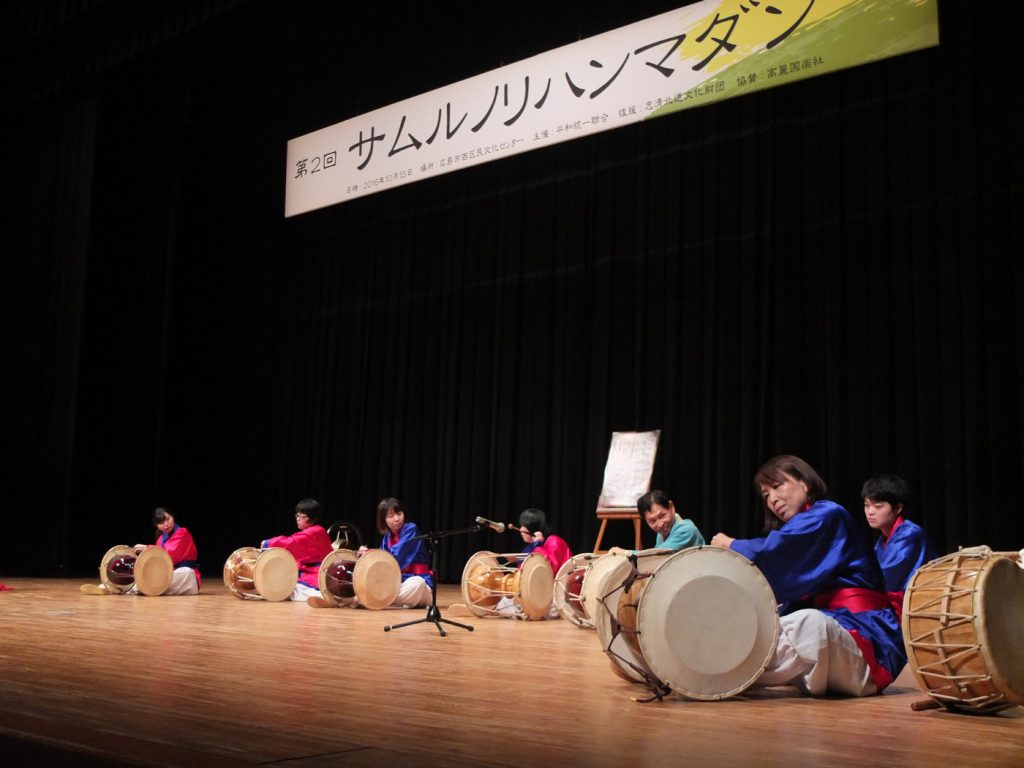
<point x="830" y="268"/>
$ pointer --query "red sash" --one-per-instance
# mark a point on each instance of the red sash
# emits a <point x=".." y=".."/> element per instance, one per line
<point x="853" y="599"/>
<point x="419" y="569"/>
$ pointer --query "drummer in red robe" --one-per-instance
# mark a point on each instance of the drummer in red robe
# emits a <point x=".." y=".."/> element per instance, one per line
<point x="309" y="545"/>
<point x="533" y="527"/>
<point x="180" y="546"/>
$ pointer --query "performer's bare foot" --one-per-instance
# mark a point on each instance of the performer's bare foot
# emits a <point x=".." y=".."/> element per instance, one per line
<point x="317" y="602"/>
<point x="94" y="589"/>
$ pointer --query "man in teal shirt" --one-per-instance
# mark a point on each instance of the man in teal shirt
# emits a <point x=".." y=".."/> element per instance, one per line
<point x="673" y="531"/>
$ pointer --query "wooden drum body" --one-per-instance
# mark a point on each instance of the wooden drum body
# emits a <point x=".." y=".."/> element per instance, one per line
<point x="569" y="583"/>
<point x="149" y="570"/>
<point x="372" y="580"/>
<point x="530" y="587"/>
<point x="963" y="627"/>
<point x="618" y="580"/>
<point x="261" y="574"/>
<point x="335" y="578"/>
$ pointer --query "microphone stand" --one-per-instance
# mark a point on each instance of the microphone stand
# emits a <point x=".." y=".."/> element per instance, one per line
<point x="433" y="540"/>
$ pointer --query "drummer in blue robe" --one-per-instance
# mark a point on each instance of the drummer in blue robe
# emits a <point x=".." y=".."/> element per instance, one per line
<point x="903" y="546"/>
<point x="837" y="631"/>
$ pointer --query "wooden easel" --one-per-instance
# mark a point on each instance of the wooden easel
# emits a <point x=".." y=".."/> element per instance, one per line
<point x="627" y="477"/>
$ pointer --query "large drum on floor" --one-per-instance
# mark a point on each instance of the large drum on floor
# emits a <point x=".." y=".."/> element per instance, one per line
<point x="703" y="623"/>
<point x="493" y="589"/>
<point x="148" y="570"/>
<point x="963" y="627"/>
<point x="335" y="578"/>
<point x="595" y="578"/>
<point x="569" y="583"/>
<point x="261" y="574"/>
<point x="372" y="580"/>
<point x="609" y="581"/>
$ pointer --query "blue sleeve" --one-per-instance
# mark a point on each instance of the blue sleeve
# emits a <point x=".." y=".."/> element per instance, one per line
<point x="406" y="551"/>
<point x="906" y="551"/>
<point x="814" y="551"/>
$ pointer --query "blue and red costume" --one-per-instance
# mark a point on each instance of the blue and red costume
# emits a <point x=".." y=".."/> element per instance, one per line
<point x="820" y="559"/>
<point x="901" y="553"/>
<point x="411" y="555"/>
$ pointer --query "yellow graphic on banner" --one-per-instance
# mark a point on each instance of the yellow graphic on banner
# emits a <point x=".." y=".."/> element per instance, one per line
<point x="749" y="45"/>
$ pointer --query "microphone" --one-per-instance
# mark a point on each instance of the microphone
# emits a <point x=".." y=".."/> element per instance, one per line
<point x="499" y="527"/>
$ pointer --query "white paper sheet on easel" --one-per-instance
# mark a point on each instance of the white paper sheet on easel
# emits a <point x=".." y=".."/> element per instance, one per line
<point x="627" y="475"/>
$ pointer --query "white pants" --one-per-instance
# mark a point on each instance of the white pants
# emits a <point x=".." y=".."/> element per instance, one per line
<point x="507" y="607"/>
<point x="183" y="582"/>
<point x="414" y="593"/>
<point x="301" y="592"/>
<point x="816" y="654"/>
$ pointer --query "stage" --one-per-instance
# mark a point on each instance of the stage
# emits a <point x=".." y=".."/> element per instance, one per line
<point x="217" y="681"/>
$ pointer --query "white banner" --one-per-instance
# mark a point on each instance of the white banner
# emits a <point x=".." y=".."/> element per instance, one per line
<point x="701" y="53"/>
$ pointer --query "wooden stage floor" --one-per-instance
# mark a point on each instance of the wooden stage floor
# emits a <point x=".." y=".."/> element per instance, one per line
<point x="216" y="681"/>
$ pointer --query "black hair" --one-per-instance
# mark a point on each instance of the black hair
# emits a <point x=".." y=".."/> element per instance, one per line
<point x="385" y="506"/>
<point x="160" y="514"/>
<point x="888" y="488"/>
<point x="534" y="520"/>
<point x="310" y="508"/>
<point x="771" y="473"/>
<point x="649" y="499"/>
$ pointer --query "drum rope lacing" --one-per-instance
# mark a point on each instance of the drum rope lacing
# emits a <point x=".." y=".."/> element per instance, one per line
<point x="947" y="652"/>
<point x="657" y="688"/>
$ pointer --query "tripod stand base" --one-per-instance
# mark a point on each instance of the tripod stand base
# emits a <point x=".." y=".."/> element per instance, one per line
<point x="434" y="617"/>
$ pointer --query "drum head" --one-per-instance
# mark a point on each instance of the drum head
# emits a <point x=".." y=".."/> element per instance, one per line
<point x="1001" y="625"/>
<point x="153" y="571"/>
<point x="707" y="623"/>
<point x="594" y="581"/>
<point x="609" y="587"/>
<point x="335" y="577"/>
<point x="569" y="590"/>
<point x="275" y="574"/>
<point x="474" y="595"/>
<point x="377" y="579"/>
<point x="119" y="578"/>
<point x="536" y="586"/>
<point x="238" y="571"/>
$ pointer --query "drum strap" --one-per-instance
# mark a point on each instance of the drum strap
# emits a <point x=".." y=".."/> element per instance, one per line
<point x="853" y="599"/>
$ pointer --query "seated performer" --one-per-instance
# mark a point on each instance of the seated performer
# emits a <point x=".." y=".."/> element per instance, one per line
<point x="533" y="527"/>
<point x="838" y="633"/>
<point x="309" y="545"/>
<point x="412" y="556"/>
<point x="180" y="546"/>
<point x="673" y="531"/>
<point x="903" y="546"/>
